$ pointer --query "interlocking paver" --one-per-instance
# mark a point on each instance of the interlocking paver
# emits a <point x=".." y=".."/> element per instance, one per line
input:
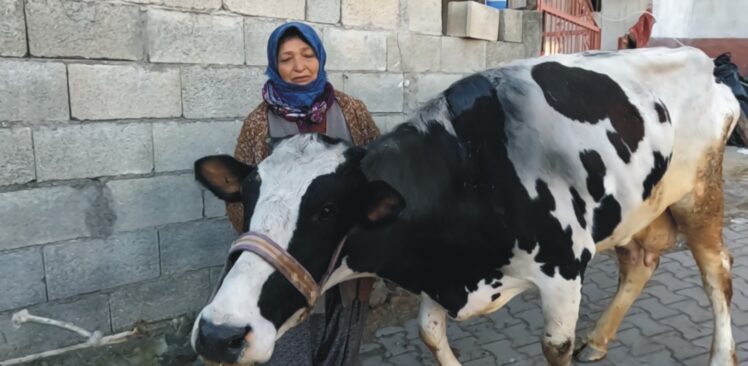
<point x="666" y="297"/>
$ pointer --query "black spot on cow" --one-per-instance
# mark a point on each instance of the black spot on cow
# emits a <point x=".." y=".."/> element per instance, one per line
<point x="658" y="171"/>
<point x="662" y="113"/>
<point x="579" y="207"/>
<point x="590" y="97"/>
<point x="544" y="195"/>
<point x="621" y="149"/>
<point x="583" y="260"/>
<point x="606" y="217"/>
<point x="593" y="164"/>
<point x="495" y="297"/>
<point x="496" y="284"/>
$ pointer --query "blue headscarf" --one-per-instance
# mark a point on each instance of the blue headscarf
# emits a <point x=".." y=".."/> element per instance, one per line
<point x="297" y="96"/>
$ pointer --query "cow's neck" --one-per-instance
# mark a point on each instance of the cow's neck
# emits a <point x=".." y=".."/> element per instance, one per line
<point x="453" y="232"/>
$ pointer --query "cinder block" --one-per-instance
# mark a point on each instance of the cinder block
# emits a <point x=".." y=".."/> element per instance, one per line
<point x="32" y="91"/>
<point x="43" y="215"/>
<point x="377" y="14"/>
<point x="510" y="26"/>
<point x="94" y="150"/>
<point x="420" y="53"/>
<point x="256" y="34"/>
<point x="124" y="91"/>
<point x="355" y="50"/>
<point x="532" y="32"/>
<point x="473" y="20"/>
<point x="195" y="245"/>
<point x="425" y="16"/>
<point x="194" y="4"/>
<point x="178" y="145"/>
<point x="16" y="156"/>
<point x="21" y="278"/>
<point x="82" y="266"/>
<point x="394" y="50"/>
<point x="336" y="79"/>
<point x="212" y="206"/>
<point x="153" y="301"/>
<point x="380" y="92"/>
<point x="210" y="92"/>
<point x="323" y="11"/>
<point x="89" y="29"/>
<point x="463" y="55"/>
<point x="13" y="29"/>
<point x="286" y="9"/>
<point x="498" y="53"/>
<point x="148" y="202"/>
<point x="89" y="312"/>
<point x="428" y="86"/>
<point x="522" y="4"/>
<point x="388" y="122"/>
<point x="194" y="38"/>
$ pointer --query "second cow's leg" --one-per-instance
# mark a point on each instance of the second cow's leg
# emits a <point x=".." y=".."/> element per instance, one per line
<point x="432" y="319"/>
<point x="637" y="262"/>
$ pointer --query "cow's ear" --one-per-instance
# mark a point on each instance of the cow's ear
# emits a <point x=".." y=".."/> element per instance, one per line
<point x="222" y="175"/>
<point x="382" y="203"/>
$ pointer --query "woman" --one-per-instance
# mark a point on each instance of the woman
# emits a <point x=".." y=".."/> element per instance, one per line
<point x="297" y="99"/>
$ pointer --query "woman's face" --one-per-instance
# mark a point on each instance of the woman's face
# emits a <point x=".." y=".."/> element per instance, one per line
<point x="297" y="63"/>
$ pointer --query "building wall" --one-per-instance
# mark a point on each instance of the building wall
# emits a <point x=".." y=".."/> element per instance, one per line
<point x="615" y="19"/>
<point x="713" y="26"/>
<point x="104" y="106"/>
<point x="700" y="19"/>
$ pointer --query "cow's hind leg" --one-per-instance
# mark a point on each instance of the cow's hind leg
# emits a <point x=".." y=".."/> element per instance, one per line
<point x="637" y="262"/>
<point x="432" y="319"/>
<point x="561" y="299"/>
<point x="699" y="216"/>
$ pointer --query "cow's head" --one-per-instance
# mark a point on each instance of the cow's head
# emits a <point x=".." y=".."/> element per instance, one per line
<point x="305" y="196"/>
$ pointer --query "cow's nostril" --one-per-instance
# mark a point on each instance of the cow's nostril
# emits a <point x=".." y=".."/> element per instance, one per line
<point x="220" y="343"/>
<point x="236" y="342"/>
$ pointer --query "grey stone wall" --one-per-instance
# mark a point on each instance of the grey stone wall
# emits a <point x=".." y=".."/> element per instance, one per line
<point x="104" y="106"/>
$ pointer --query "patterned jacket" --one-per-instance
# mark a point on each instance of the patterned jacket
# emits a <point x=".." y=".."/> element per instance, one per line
<point x="251" y="147"/>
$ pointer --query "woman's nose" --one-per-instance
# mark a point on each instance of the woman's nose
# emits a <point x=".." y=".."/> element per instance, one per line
<point x="298" y="65"/>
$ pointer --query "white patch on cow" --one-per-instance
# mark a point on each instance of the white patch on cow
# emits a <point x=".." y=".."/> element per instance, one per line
<point x="344" y="273"/>
<point x="480" y="301"/>
<point x="303" y="157"/>
<point x="434" y="111"/>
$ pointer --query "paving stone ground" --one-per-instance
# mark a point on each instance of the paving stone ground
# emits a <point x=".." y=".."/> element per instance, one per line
<point x="670" y="324"/>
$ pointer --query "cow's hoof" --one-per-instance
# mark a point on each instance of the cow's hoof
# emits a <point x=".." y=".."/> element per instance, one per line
<point x="558" y="354"/>
<point x="588" y="353"/>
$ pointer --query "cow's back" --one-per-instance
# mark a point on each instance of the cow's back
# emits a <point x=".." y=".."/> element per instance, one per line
<point x="620" y="134"/>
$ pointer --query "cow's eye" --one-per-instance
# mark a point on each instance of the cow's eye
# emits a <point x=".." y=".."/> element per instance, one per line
<point x="327" y="212"/>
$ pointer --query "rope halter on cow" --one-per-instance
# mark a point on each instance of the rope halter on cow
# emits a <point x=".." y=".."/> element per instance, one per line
<point x="283" y="262"/>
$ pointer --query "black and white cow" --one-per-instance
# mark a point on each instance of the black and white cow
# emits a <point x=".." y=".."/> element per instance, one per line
<point x="509" y="180"/>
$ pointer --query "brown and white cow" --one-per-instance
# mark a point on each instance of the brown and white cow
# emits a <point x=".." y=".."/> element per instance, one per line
<point x="511" y="179"/>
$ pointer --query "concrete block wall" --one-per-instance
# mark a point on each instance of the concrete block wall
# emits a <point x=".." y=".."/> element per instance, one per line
<point x="105" y="105"/>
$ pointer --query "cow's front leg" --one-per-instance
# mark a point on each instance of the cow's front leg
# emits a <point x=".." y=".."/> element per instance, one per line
<point x="433" y="322"/>
<point x="561" y="299"/>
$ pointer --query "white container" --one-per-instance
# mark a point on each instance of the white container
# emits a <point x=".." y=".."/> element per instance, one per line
<point x="472" y="20"/>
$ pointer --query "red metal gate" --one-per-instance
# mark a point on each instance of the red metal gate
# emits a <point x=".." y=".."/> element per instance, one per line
<point x="568" y="26"/>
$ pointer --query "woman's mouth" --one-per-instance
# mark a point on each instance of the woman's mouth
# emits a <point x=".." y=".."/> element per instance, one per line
<point x="302" y="79"/>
